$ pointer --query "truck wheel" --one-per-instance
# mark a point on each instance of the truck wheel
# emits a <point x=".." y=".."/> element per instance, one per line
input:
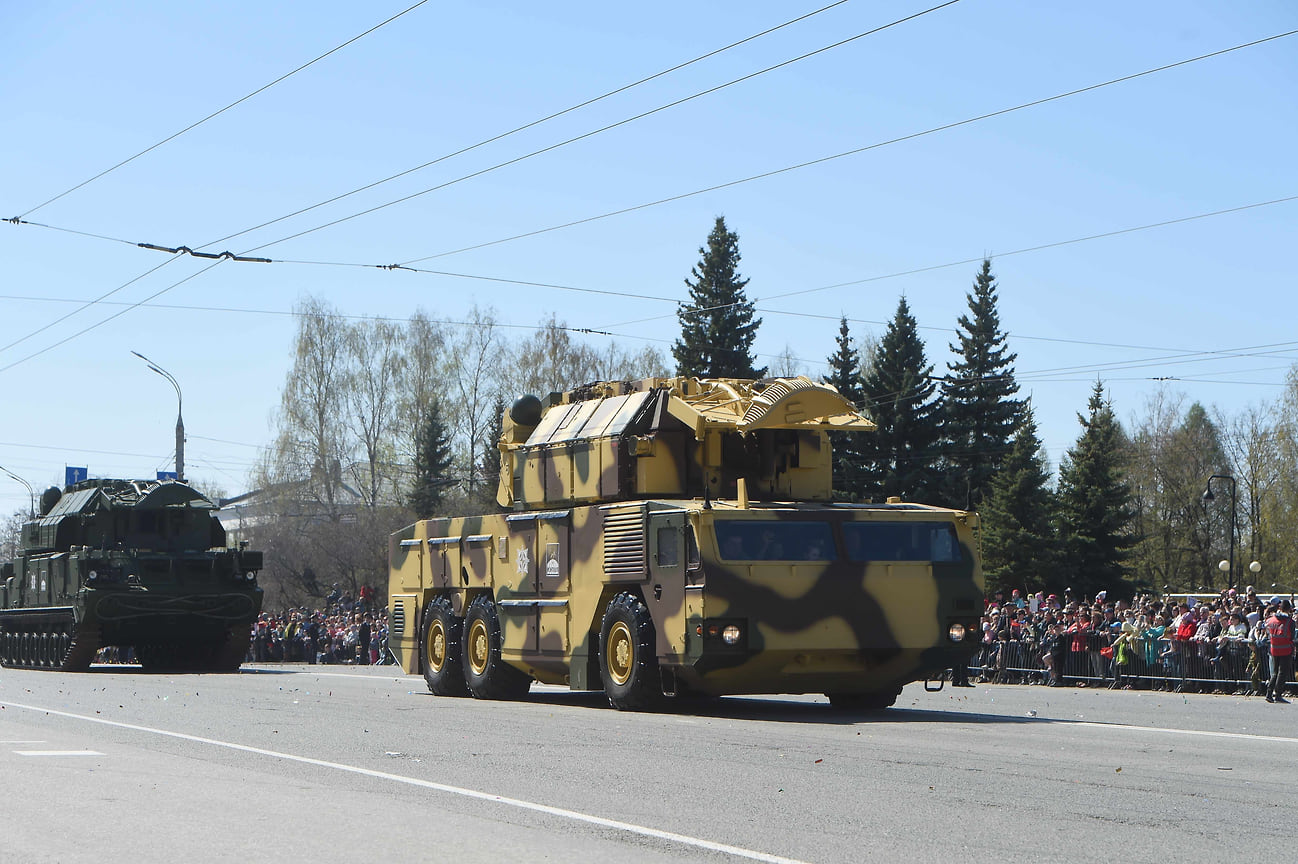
<point x="628" y="659"/>
<point x="485" y="673"/>
<point x="439" y="649"/>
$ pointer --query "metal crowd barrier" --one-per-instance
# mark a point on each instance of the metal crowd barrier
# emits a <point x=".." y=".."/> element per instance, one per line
<point x="1196" y="667"/>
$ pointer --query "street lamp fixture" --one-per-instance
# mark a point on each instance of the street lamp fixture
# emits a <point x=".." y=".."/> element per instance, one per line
<point x="31" y="493"/>
<point x="1228" y="567"/>
<point x="180" y="421"/>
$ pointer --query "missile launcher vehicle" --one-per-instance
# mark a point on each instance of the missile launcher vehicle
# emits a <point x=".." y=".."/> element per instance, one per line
<point x="131" y="563"/>
<point x="679" y="536"/>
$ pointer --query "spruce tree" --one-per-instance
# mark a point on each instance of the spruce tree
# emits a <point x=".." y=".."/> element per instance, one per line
<point x="717" y="325"/>
<point x="1096" y="513"/>
<point x="490" y="466"/>
<point x="980" y="410"/>
<point x="845" y="375"/>
<point x="432" y="463"/>
<point x="902" y="454"/>
<point x="1018" y="541"/>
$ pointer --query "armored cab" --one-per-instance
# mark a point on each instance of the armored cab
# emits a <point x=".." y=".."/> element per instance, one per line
<point x="130" y="563"/>
<point x="670" y="536"/>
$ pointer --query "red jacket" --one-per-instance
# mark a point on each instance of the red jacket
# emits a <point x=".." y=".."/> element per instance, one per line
<point x="1280" y="628"/>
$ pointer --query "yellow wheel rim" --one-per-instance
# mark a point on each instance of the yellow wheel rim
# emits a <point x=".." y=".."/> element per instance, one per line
<point x="619" y="653"/>
<point x="479" y="646"/>
<point x="435" y="650"/>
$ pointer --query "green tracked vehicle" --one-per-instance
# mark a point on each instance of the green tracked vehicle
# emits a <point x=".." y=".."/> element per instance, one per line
<point x="128" y="563"/>
<point x="679" y="536"/>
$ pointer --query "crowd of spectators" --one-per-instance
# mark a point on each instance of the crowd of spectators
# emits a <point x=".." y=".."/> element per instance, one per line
<point x="348" y="630"/>
<point x="1215" y="644"/>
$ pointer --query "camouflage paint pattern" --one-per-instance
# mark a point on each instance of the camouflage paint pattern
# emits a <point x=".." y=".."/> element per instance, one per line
<point x="620" y="487"/>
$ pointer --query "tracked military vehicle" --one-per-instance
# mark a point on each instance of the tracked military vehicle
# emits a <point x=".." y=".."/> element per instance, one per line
<point x="679" y="536"/>
<point x="131" y="563"/>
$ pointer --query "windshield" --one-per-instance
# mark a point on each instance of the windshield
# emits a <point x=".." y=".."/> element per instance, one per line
<point x="765" y="540"/>
<point x="901" y="541"/>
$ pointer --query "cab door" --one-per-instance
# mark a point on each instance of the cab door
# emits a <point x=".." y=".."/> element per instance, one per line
<point x="666" y="588"/>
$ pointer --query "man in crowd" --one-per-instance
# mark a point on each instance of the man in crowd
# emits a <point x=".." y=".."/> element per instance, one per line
<point x="1280" y="628"/>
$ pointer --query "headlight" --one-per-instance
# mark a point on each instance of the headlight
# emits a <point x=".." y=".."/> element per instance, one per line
<point x="956" y="633"/>
<point x="94" y="574"/>
<point x="250" y="576"/>
<point x="731" y="634"/>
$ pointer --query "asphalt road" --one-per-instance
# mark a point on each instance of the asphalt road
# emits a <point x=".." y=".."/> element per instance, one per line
<point x="339" y="764"/>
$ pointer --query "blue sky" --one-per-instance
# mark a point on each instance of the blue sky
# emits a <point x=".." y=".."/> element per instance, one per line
<point x="86" y="85"/>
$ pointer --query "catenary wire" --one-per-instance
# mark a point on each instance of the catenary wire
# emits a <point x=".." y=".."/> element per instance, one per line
<point x="115" y="315"/>
<point x="19" y="219"/>
<point x="532" y="124"/>
<point x="947" y="126"/>
<point x="846" y="153"/>
<point x="967" y="261"/>
<point x="601" y="129"/>
<point x="217" y="113"/>
<point x="763" y="310"/>
<point x="85" y="305"/>
<point x="405" y="265"/>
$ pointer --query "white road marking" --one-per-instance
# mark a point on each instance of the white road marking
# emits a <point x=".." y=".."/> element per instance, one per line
<point x="560" y="812"/>
<point x="58" y="753"/>
<point x="22" y="741"/>
<point x="1244" y="736"/>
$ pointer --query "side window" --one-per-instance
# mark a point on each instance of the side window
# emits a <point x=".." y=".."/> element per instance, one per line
<point x="669" y="553"/>
<point x="945" y="546"/>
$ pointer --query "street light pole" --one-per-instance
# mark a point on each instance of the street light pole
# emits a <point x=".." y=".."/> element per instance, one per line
<point x="31" y="493"/>
<point x="1208" y="496"/>
<point x="180" y="420"/>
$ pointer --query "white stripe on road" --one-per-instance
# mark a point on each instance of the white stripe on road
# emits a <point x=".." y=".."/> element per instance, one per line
<point x="58" y="753"/>
<point x="1201" y="733"/>
<point x="441" y="787"/>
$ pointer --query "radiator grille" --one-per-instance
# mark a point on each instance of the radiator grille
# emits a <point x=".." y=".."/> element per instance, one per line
<point x="625" y="554"/>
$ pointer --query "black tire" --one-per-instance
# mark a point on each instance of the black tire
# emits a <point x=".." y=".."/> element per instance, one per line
<point x="876" y="701"/>
<point x="628" y="660"/>
<point x="485" y="674"/>
<point x="229" y="654"/>
<point x="440" y="656"/>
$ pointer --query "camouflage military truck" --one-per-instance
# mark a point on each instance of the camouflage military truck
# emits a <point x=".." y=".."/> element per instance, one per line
<point x="130" y="563"/>
<point x="678" y="536"/>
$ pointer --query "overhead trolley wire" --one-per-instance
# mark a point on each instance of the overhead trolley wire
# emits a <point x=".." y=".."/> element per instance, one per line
<point x="600" y="130"/>
<point x="967" y="261"/>
<point x="217" y="113"/>
<point x="605" y="330"/>
<point x="115" y="315"/>
<point x="533" y="123"/>
<point x="846" y="153"/>
<point x="185" y="249"/>
<point x="86" y="305"/>
<point x="405" y="265"/>
<point x="824" y="159"/>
